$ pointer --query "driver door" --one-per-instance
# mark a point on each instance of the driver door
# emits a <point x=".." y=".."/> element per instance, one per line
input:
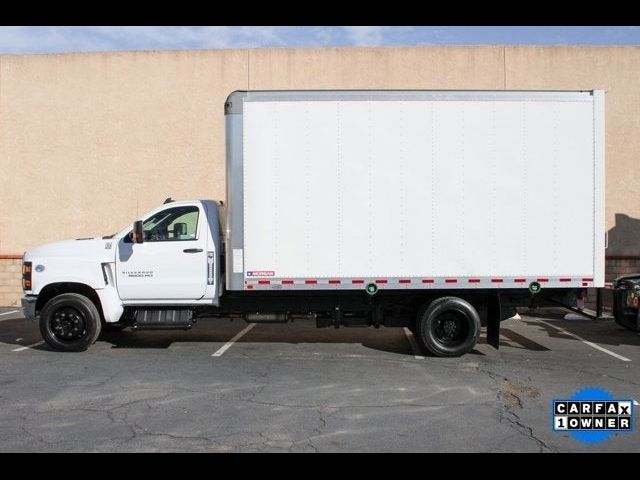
<point x="171" y="263"/>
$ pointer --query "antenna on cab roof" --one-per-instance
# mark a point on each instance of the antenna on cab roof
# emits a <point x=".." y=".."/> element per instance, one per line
<point x="168" y="200"/>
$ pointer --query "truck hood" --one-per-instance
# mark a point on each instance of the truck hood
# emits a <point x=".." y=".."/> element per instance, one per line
<point x="94" y="249"/>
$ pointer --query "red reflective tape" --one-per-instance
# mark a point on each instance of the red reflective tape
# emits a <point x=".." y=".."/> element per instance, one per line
<point x="587" y="279"/>
<point x="427" y="280"/>
<point x="519" y="280"/>
<point x="565" y="279"/>
<point x="334" y="282"/>
<point x="496" y="280"/>
<point x="264" y="282"/>
<point x="584" y="284"/>
<point x="381" y="280"/>
<point x="404" y="280"/>
<point x="474" y="280"/>
<point x="287" y="282"/>
<point x="543" y="280"/>
<point x="451" y="280"/>
<point x="311" y="282"/>
<point x="357" y="281"/>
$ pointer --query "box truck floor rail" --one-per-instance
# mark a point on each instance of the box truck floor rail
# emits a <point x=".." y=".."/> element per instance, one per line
<point x="439" y="211"/>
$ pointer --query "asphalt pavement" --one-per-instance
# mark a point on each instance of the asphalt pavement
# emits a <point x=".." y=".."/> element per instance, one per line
<point x="229" y="387"/>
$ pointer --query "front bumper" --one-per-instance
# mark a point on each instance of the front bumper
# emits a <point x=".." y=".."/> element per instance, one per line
<point x="29" y="307"/>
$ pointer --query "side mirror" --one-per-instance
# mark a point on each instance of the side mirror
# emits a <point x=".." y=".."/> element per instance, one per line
<point x="137" y="236"/>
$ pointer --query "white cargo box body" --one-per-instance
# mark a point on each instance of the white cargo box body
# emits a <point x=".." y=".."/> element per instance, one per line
<point x="415" y="189"/>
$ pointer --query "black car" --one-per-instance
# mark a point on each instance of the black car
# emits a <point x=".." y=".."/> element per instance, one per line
<point x="626" y="301"/>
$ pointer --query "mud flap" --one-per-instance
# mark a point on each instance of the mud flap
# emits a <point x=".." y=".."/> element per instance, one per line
<point x="493" y="320"/>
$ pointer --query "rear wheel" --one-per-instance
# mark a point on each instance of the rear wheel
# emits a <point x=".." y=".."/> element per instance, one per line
<point x="70" y="322"/>
<point x="448" y="327"/>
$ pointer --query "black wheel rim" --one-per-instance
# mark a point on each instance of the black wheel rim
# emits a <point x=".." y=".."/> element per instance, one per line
<point x="68" y="324"/>
<point x="451" y="328"/>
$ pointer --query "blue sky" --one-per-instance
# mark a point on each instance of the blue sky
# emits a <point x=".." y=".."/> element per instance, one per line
<point x="69" y="39"/>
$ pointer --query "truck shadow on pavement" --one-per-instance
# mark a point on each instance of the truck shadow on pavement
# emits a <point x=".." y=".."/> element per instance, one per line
<point x="396" y="344"/>
<point x="19" y="332"/>
<point x="388" y="340"/>
<point x="519" y="341"/>
<point x="602" y="332"/>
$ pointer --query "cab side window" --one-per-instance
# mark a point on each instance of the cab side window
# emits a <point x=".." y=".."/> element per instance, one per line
<point x="171" y="225"/>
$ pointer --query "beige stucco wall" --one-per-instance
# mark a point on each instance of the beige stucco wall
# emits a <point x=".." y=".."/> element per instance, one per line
<point x="10" y="281"/>
<point x="89" y="141"/>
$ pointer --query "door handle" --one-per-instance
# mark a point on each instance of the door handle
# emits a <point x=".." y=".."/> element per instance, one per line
<point x="192" y="250"/>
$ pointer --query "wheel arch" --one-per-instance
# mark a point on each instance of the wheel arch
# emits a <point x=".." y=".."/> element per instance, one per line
<point x="54" y="289"/>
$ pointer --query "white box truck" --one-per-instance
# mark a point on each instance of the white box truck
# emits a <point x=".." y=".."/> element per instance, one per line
<point x="438" y="211"/>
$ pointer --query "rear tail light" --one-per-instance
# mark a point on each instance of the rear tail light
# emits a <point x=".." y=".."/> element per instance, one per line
<point x="26" y="275"/>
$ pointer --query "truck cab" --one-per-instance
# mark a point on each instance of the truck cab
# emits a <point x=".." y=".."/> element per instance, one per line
<point x="172" y="262"/>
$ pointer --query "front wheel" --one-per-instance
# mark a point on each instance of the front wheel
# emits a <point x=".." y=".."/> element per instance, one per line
<point x="70" y="322"/>
<point x="448" y="327"/>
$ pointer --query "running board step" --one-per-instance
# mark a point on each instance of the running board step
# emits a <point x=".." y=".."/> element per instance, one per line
<point x="163" y="319"/>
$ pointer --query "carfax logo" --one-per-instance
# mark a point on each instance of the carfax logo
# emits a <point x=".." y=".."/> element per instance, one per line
<point x="592" y="415"/>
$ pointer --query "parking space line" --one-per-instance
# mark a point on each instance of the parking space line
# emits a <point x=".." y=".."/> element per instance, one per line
<point x="414" y="345"/>
<point x="586" y="342"/>
<point x="27" y="347"/>
<point x="236" y="337"/>
<point x="8" y="313"/>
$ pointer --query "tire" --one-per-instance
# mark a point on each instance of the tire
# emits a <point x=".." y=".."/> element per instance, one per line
<point x="70" y="322"/>
<point x="448" y="327"/>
